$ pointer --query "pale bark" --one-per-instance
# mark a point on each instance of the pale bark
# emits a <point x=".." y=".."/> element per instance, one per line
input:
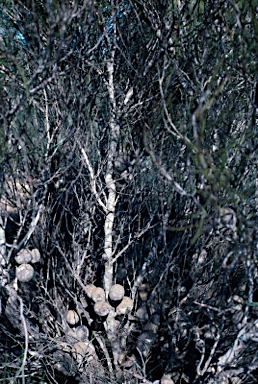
<point x="3" y="271"/>
<point x="109" y="180"/>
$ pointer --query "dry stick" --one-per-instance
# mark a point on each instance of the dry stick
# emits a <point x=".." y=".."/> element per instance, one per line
<point x="130" y="240"/>
<point x="47" y="124"/>
<point x="92" y="179"/>
<point x="3" y="266"/>
<point x="13" y="293"/>
<point x="244" y="335"/>
<point x="104" y="349"/>
<point x="162" y="170"/>
<point x="32" y="226"/>
<point x="138" y="281"/>
<point x="202" y="371"/>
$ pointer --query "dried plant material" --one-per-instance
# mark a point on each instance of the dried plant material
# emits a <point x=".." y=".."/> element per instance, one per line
<point x="121" y="357"/>
<point x="112" y="323"/>
<point x="125" y="306"/>
<point x="166" y="379"/>
<point x="35" y="255"/>
<point x="89" y="288"/>
<point x="83" y="302"/>
<point x="102" y="308"/>
<point x="145" y="342"/>
<point x="235" y="380"/>
<point x="238" y="299"/>
<point x="82" y="332"/>
<point x="117" y="292"/>
<point x="227" y="218"/>
<point x="142" y="313"/>
<point x="209" y="335"/>
<point x="98" y="294"/>
<point x="129" y="362"/>
<point x="153" y="324"/>
<point x="24" y="272"/>
<point x="121" y="163"/>
<point x="83" y="349"/>
<point x="23" y="257"/>
<point x="71" y="337"/>
<point x="63" y="362"/>
<point x="72" y="317"/>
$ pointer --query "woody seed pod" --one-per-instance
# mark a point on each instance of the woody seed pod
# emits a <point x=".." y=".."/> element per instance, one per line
<point x="83" y="350"/>
<point x="102" y="308"/>
<point x="88" y="289"/>
<point x="72" y="317"/>
<point x="23" y="257"/>
<point x="98" y="294"/>
<point x="24" y="273"/>
<point x="82" y="332"/>
<point x="125" y="306"/>
<point x="35" y="255"/>
<point x="144" y="291"/>
<point x="117" y="292"/>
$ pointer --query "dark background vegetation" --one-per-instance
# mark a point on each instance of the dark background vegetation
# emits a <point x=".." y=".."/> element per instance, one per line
<point x="162" y="96"/>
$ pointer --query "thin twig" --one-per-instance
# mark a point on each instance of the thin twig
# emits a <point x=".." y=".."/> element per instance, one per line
<point x="92" y="179"/>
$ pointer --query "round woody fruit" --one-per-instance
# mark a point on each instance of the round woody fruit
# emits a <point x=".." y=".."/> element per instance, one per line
<point x="24" y="273"/>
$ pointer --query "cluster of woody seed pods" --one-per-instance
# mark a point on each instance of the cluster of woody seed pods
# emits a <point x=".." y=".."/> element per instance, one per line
<point x="118" y="302"/>
<point x="109" y="309"/>
<point x="25" y="271"/>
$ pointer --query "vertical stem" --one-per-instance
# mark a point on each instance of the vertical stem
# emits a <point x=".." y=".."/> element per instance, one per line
<point x="110" y="182"/>
<point x="3" y="272"/>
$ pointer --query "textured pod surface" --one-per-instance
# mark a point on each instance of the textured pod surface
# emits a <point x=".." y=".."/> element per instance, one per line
<point x="117" y="292"/>
<point x="102" y="308"/>
<point x="63" y="362"/>
<point x="82" y="350"/>
<point x="112" y="323"/>
<point x="98" y="294"/>
<point x="35" y="254"/>
<point x="24" y="272"/>
<point x="23" y="257"/>
<point x="82" y="332"/>
<point x="88" y="289"/>
<point x="70" y="336"/>
<point x="125" y="306"/>
<point x="72" y="317"/>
